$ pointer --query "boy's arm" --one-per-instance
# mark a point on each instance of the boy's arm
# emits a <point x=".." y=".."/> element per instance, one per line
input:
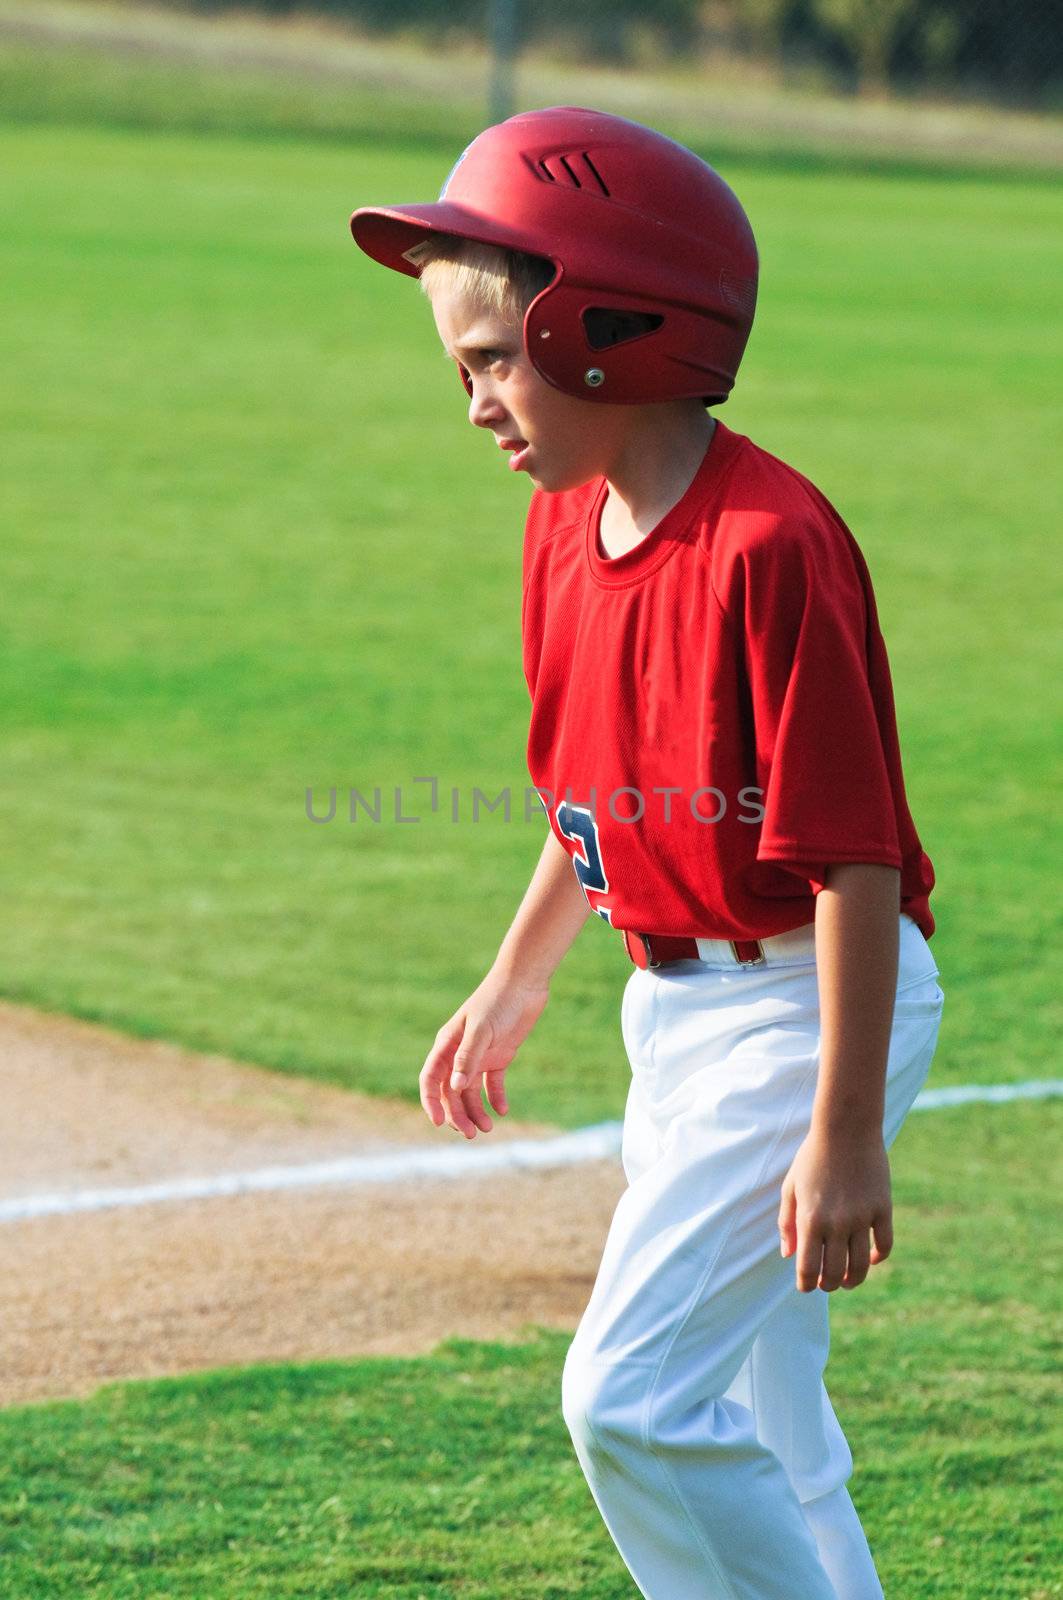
<point x="857" y="948"/>
<point x="838" y="1187"/>
<point x="551" y="914"/>
<point x="475" y="1046"/>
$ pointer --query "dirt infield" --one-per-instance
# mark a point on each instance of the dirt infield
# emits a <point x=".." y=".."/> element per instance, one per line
<point x="179" y="1285"/>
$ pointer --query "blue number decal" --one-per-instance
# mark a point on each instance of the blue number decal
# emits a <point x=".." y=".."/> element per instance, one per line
<point x="577" y="823"/>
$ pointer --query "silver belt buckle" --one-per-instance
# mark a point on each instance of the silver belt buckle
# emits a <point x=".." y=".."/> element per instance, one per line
<point x="649" y="953"/>
<point x="756" y="961"/>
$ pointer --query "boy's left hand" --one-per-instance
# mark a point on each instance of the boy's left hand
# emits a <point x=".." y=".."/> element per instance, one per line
<point x="837" y="1191"/>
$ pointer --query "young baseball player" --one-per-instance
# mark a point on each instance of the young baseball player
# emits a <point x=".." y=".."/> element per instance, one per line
<point x="714" y="741"/>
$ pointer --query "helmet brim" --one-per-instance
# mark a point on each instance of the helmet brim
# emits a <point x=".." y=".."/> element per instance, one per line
<point x="387" y="233"/>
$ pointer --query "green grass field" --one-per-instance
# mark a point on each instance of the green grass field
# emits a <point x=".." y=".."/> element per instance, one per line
<point x="251" y="545"/>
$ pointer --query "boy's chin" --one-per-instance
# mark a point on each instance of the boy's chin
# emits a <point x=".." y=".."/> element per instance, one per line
<point x="559" y="480"/>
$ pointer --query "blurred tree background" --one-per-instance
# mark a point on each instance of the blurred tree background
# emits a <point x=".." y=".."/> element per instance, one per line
<point x="1010" y="51"/>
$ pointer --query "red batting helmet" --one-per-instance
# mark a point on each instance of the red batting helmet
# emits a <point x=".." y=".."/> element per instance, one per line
<point x="655" y="279"/>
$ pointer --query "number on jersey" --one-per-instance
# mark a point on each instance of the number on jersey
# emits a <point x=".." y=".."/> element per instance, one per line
<point x="577" y="823"/>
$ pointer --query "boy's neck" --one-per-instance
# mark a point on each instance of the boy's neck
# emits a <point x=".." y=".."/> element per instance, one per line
<point x="654" y="467"/>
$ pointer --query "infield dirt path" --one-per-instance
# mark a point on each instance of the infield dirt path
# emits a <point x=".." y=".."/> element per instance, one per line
<point x="180" y="1285"/>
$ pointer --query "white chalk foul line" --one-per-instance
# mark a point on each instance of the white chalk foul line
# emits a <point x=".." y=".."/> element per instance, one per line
<point x="585" y="1144"/>
<point x="930" y="1099"/>
<point x="597" y="1143"/>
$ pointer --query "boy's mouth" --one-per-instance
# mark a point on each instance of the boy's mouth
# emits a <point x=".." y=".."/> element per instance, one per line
<point x="519" y="447"/>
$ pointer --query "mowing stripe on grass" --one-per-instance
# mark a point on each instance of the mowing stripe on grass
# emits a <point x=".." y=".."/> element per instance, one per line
<point x="596" y="1143"/>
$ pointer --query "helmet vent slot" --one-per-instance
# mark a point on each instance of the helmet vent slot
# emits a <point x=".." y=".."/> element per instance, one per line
<point x="565" y="169"/>
<point x="598" y="177"/>
<point x="605" y="327"/>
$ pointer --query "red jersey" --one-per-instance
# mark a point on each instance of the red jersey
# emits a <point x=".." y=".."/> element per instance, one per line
<point x="712" y="711"/>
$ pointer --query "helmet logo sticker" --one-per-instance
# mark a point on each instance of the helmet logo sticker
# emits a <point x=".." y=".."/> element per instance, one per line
<point x="415" y="255"/>
<point x="739" y="292"/>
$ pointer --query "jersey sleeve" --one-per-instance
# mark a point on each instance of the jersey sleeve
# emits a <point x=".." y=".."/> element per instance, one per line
<point x="798" y="596"/>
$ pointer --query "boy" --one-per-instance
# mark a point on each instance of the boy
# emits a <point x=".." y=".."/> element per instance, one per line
<point x="711" y="701"/>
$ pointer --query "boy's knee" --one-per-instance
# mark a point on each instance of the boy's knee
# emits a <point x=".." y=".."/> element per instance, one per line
<point x="611" y="1406"/>
<point x="601" y="1401"/>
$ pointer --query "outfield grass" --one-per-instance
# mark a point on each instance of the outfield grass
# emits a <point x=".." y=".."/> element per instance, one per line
<point x="452" y="1476"/>
<point x="251" y="545"/>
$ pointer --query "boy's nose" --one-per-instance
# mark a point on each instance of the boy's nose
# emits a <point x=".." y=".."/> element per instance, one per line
<point x="484" y="407"/>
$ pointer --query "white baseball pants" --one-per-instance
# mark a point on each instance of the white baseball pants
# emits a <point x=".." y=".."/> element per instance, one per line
<point x="693" y="1388"/>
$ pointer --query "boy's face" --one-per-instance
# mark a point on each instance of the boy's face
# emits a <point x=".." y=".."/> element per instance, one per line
<point x="561" y="442"/>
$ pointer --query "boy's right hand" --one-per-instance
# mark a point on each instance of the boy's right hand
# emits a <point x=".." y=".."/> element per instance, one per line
<point x="473" y="1049"/>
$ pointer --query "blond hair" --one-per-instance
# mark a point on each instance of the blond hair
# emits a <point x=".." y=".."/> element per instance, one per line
<point x="496" y="280"/>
